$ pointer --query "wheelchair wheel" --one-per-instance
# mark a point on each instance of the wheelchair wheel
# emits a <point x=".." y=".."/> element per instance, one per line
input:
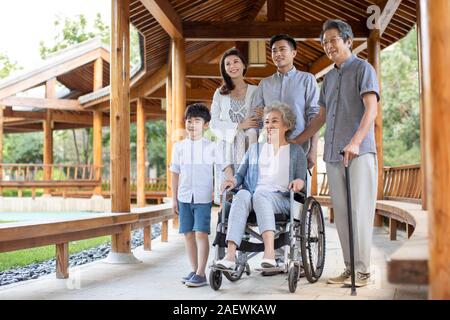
<point x="312" y="239"/>
<point x="293" y="278"/>
<point x="215" y="279"/>
<point x="235" y="276"/>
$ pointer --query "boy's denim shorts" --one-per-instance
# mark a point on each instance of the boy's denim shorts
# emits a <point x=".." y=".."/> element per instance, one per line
<point x="195" y="217"/>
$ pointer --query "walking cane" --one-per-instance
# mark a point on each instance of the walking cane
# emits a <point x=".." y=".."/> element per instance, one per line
<point x="350" y="228"/>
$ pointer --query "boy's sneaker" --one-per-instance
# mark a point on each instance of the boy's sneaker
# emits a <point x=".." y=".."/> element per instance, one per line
<point x="184" y="279"/>
<point x="196" y="281"/>
<point x="340" y="279"/>
<point x="361" y="280"/>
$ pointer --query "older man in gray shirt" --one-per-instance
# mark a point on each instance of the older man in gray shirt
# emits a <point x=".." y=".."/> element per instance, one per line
<point x="295" y="88"/>
<point x="348" y="101"/>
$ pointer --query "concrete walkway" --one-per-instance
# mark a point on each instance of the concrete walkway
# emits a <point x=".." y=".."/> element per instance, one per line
<point x="158" y="277"/>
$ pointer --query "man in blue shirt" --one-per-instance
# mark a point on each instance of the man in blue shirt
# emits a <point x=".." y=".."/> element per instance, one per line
<point x="295" y="88"/>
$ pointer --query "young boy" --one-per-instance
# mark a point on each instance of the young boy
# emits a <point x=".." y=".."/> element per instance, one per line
<point x="192" y="184"/>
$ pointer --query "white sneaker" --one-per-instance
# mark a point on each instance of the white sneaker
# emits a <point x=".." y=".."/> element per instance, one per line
<point x="268" y="263"/>
<point x="226" y="264"/>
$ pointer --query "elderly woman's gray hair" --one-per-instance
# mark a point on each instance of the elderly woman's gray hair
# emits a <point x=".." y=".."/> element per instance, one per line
<point x="287" y="115"/>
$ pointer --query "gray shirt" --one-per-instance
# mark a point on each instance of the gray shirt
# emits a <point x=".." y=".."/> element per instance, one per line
<point x="342" y="96"/>
<point x="295" y="88"/>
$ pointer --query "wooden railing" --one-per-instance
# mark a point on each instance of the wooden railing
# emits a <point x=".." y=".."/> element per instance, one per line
<point x="24" y="235"/>
<point x="151" y="184"/>
<point x="57" y="172"/>
<point x="401" y="183"/>
<point x="55" y="176"/>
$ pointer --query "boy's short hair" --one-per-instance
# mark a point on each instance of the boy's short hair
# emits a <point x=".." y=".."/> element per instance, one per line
<point x="197" y="110"/>
<point x="286" y="37"/>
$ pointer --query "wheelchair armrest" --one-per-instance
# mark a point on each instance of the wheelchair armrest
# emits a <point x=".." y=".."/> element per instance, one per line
<point x="226" y="193"/>
<point x="299" y="196"/>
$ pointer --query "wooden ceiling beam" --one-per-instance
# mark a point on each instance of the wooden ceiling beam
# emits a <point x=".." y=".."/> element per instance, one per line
<point x="57" y="116"/>
<point x="191" y="94"/>
<point x="276" y="10"/>
<point x="54" y="71"/>
<point x="30" y="127"/>
<point x="257" y="6"/>
<point x="167" y="17"/>
<point x="43" y="103"/>
<point x="217" y="51"/>
<point x="155" y="81"/>
<point x="250" y="30"/>
<point x="10" y="113"/>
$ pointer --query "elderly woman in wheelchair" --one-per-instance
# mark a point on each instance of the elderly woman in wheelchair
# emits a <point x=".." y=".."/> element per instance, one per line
<point x="269" y="174"/>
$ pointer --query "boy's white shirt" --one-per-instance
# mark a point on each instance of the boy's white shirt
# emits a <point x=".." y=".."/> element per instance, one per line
<point x="193" y="160"/>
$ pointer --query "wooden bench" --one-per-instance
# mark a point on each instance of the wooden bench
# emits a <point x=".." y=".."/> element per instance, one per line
<point x="409" y="264"/>
<point x="24" y="235"/>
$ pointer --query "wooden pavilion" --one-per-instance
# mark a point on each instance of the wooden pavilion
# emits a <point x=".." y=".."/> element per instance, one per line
<point x="182" y="44"/>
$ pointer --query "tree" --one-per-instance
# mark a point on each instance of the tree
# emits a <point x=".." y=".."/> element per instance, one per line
<point x="155" y="142"/>
<point x="69" y="32"/>
<point x="72" y="31"/>
<point x="400" y="102"/>
<point x="7" y="66"/>
<point x="23" y="148"/>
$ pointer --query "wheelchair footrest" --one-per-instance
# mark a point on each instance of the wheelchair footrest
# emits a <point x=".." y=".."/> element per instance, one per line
<point x="218" y="268"/>
<point x="273" y="270"/>
<point x="247" y="246"/>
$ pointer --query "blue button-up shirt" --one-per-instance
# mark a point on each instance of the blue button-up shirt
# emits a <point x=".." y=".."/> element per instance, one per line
<point x="295" y="88"/>
<point x="342" y="96"/>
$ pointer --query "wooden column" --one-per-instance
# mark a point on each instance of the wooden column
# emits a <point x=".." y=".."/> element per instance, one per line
<point x="178" y="88"/>
<point x="169" y="113"/>
<point x="435" y="51"/>
<point x="140" y="153"/>
<point x="374" y="49"/>
<point x="423" y="158"/>
<point x="97" y="126"/>
<point x="1" y="146"/>
<point x="169" y="140"/>
<point x="50" y="92"/>
<point x="120" y="119"/>
<point x="178" y="101"/>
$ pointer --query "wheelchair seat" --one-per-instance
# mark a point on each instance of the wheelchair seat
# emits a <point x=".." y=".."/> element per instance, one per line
<point x="280" y="219"/>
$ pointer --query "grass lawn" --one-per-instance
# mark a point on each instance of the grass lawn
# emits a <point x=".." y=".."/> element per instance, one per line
<point x="24" y="257"/>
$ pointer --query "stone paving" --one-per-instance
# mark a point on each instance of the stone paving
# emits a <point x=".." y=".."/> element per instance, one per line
<point x="159" y="274"/>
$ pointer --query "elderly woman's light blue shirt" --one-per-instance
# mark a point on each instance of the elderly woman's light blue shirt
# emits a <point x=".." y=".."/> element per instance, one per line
<point x="247" y="174"/>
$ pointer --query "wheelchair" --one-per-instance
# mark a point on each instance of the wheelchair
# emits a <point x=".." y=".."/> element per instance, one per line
<point x="299" y="242"/>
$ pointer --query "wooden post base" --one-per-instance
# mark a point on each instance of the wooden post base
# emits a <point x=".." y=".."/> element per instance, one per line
<point x="331" y="214"/>
<point x="378" y="220"/>
<point x="392" y="229"/>
<point x="148" y="238"/>
<point x="165" y="231"/>
<point x="62" y="260"/>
